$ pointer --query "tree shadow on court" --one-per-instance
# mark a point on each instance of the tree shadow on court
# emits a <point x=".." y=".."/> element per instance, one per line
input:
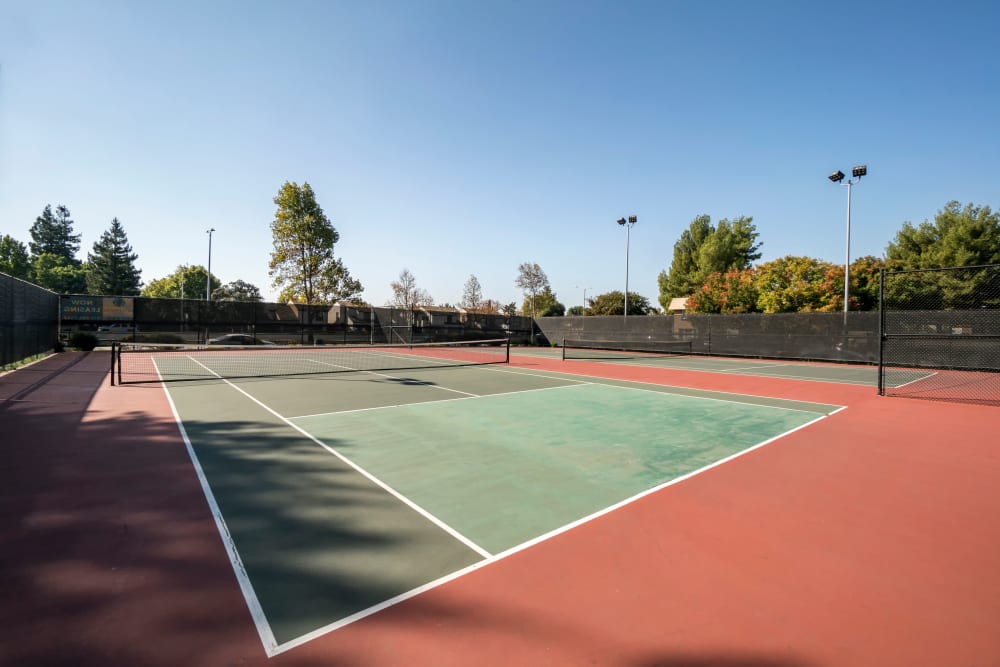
<point x="443" y="626"/>
<point x="108" y="551"/>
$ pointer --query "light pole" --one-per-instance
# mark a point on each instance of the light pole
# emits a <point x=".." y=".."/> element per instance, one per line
<point x="584" y="299"/>
<point x="837" y="177"/>
<point x="208" y="278"/>
<point x="627" y="224"/>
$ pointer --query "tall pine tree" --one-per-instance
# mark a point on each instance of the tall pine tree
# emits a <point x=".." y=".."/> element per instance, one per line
<point x="53" y="234"/>
<point x="111" y="264"/>
<point x="53" y="252"/>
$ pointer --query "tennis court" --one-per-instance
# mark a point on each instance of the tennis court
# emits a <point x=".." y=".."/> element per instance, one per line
<point x="681" y="359"/>
<point x="340" y="494"/>
<point x="456" y="505"/>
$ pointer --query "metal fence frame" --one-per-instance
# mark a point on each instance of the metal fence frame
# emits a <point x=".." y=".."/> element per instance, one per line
<point x="945" y="320"/>
<point x="29" y="320"/>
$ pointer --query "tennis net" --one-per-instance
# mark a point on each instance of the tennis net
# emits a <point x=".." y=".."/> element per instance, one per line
<point x="138" y="362"/>
<point x="623" y="349"/>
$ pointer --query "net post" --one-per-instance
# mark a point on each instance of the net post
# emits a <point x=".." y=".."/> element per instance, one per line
<point x="564" y="349"/>
<point x="507" y="351"/>
<point x="113" y="363"/>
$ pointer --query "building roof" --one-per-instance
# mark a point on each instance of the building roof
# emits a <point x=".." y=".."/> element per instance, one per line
<point x="678" y="303"/>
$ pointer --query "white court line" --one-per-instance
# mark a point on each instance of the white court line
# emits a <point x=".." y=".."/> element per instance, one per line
<point x="409" y="503"/>
<point x="249" y="595"/>
<point x="761" y="368"/>
<point x="271" y="647"/>
<point x="665" y="389"/>
<point x="922" y="377"/>
<point x="746" y="372"/>
<point x="267" y="638"/>
<point x="447" y="400"/>
<point x="392" y="377"/>
<point x="319" y="632"/>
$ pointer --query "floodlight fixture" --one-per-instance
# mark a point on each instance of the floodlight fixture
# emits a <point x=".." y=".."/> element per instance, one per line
<point x="837" y="176"/>
<point x="627" y="224"/>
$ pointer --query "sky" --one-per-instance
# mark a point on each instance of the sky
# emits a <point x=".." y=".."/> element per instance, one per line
<point x="459" y="138"/>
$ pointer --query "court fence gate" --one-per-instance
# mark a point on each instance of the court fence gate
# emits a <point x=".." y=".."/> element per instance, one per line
<point x="940" y="334"/>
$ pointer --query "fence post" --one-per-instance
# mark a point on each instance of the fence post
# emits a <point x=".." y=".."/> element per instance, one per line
<point x="881" y="330"/>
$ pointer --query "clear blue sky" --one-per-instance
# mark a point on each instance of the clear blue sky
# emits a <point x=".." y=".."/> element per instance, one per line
<point x="458" y="138"/>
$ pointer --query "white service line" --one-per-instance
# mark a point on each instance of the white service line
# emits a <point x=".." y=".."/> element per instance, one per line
<point x="666" y="389"/>
<point x="392" y="377"/>
<point x="922" y="377"/>
<point x="399" y="496"/>
<point x="447" y="400"/>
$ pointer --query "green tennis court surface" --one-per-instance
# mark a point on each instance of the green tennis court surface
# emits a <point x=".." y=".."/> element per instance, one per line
<point x="343" y="493"/>
<point x="854" y="374"/>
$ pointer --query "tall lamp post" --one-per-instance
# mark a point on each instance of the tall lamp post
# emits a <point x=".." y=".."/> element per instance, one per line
<point x="208" y="278"/>
<point x="627" y="224"/>
<point x="584" y="299"/>
<point x="837" y="177"/>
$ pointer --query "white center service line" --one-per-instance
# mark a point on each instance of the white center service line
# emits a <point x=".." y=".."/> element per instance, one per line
<point x="447" y="400"/>
<point x="409" y="503"/>
<point x="393" y="377"/>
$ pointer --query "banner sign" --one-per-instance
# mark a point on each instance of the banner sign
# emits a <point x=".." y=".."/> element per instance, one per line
<point x="97" y="308"/>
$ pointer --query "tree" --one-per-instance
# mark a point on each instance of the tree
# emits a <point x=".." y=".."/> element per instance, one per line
<point x="553" y="308"/>
<point x="532" y="281"/>
<point x="111" y="265"/>
<point x="53" y="234"/>
<point x="302" y="262"/>
<point x="59" y="274"/>
<point x="543" y="304"/>
<point x="864" y="281"/>
<point x="793" y="284"/>
<point x="704" y="249"/>
<point x="406" y="294"/>
<point x="186" y="282"/>
<point x="472" y="295"/>
<point x="237" y="290"/>
<point x="957" y="237"/>
<point x="491" y="307"/>
<point x="734" y="291"/>
<point x="613" y="303"/>
<point x="14" y="258"/>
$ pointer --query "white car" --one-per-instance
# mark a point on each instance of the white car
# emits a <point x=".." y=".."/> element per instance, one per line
<point x="116" y="328"/>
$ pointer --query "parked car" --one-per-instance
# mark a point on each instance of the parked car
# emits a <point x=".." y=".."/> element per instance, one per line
<point x="116" y="328"/>
<point x="238" y="339"/>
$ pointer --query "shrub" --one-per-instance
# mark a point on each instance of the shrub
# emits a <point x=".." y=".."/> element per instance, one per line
<point x="83" y="340"/>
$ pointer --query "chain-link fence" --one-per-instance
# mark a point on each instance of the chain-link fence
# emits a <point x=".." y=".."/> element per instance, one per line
<point x="194" y="321"/>
<point x="29" y="320"/>
<point x="941" y="334"/>
<point x="845" y="337"/>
